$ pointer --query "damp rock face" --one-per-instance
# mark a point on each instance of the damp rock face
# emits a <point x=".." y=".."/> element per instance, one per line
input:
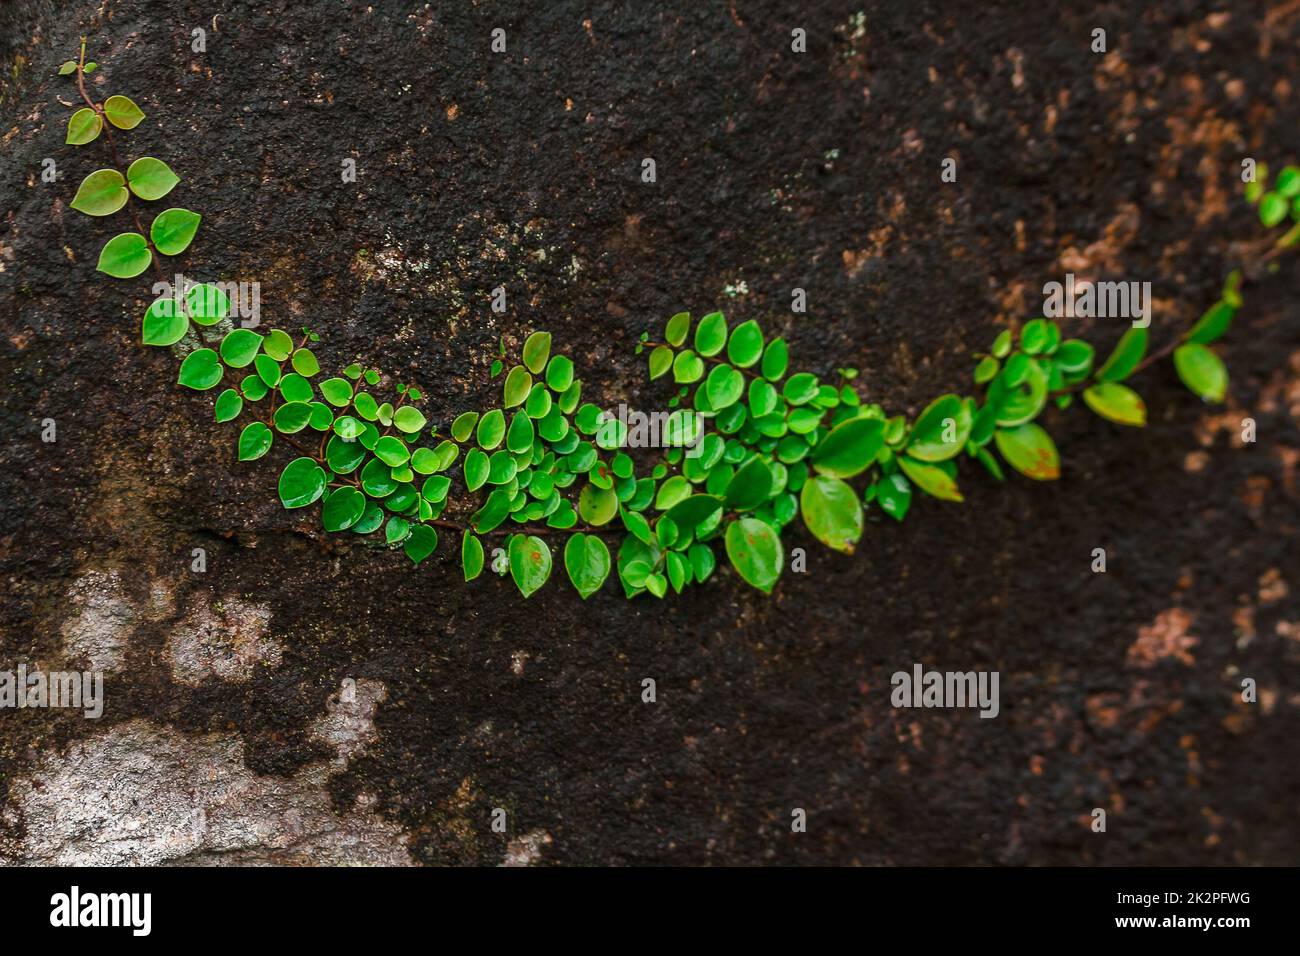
<point x="301" y="697"/>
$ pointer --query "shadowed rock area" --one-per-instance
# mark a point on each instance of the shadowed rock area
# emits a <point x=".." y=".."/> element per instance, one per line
<point x="311" y="698"/>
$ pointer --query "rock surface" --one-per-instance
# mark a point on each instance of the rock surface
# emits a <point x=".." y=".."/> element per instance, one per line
<point x="226" y="738"/>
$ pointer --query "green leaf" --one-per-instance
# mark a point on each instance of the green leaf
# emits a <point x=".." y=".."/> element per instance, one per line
<point x="125" y="256"/>
<point x="800" y="388"/>
<point x="987" y="368"/>
<point x="491" y="429"/>
<point x="537" y="349"/>
<point x="1213" y="324"/>
<point x="421" y="543"/>
<point x="1202" y="371"/>
<point x="292" y="417"/>
<point x="1288" y="181"/>
<point x="377" y="479"/>
<point x="301" y="483"/>
<point x="68" y="66"/>
<point x="336" y="391"/>
<point x="1015" y="404"/>
<point x="597" y="505"/>
<point x="201" y="370"/>
<point x="850" y="448"/>
<point x="1002" y="344"/>
<point x="1128" y="353"/>
<point x="435" y="488"/>
<point x="392" y="451"/>
<point x="342" y="456"/>
<point x="687" y="368"/>
<point x="240" y="347"/>
<point x="304" y="363"/>
<point x="711" y="334"/>
<point x="254" y="441"/>
<point x="519" y="439"/>
<point x="1273" y="209"/>
<point x="322" y="416"/>
<point x="1029" y="450"/>
<point x="208" y="305"/>
<point x="83" y="126"/>
<point x="229" y="405"/>
<point x="776" y="358"/>
<point x="937" y="480"/>
<point x="530" y="563"/>
<point x="894" y="495"/>
<point x="278" y="344"/>
<point x="471" y="556"/>
<point x="677" y="328"/>
<point x="477" y="468"/>
<point x="463" y="426"/>
<point x="268" y="369"/>
<point x="1033" y="337"/>
<point x="342" y="509"/>
<point x="941" y="430"/>
<point x="122" y="112"/>
<point x="746" y="344"/>
<point x="832" y="512"/>
<point x="559" y="373"/>
<point x="762" y="398"/>
<point x="693" y="510"/>
<point x="293" y="387"/>
<point x="724" y="387"/>
<point x="518" y="382"/>
<point x="1117" y="403"/>
<point x="755" y="551"/>
<point x="371" y="519"/>
<point x="397" y="530"/>
<point x="347" y="427"/>
<point x="661" y="360"/>
<point x="173" y="230"/>
<point x="150" y="178"/>
<point x="409" y="419"/>
<point x="678" y="570"/>
<point x="586" y="559"/>
<point x="750" y="486"/>
<point x="1075" y="357"/>
<point x="702" y="561"/>
<point x="637" y="525"/>
<point x="164" y="323"/>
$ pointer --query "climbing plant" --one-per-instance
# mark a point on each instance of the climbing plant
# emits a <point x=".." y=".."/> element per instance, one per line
<point x="544" y="478"/>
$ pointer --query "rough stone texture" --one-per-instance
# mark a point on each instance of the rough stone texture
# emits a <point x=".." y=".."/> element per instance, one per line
<point x="142" y="794"/>
<point x="224" y="642"/>
<point x="97" y="630"/>
<point x="775" y="171"/>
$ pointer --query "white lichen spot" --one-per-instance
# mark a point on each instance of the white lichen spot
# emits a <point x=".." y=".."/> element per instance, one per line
<point x="223" y="640"/>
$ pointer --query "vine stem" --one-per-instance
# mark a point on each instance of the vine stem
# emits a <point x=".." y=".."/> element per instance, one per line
<point x="154" y="254"/>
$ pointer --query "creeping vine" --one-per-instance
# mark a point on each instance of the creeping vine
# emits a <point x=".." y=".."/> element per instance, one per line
<point x="747" y="445"/>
